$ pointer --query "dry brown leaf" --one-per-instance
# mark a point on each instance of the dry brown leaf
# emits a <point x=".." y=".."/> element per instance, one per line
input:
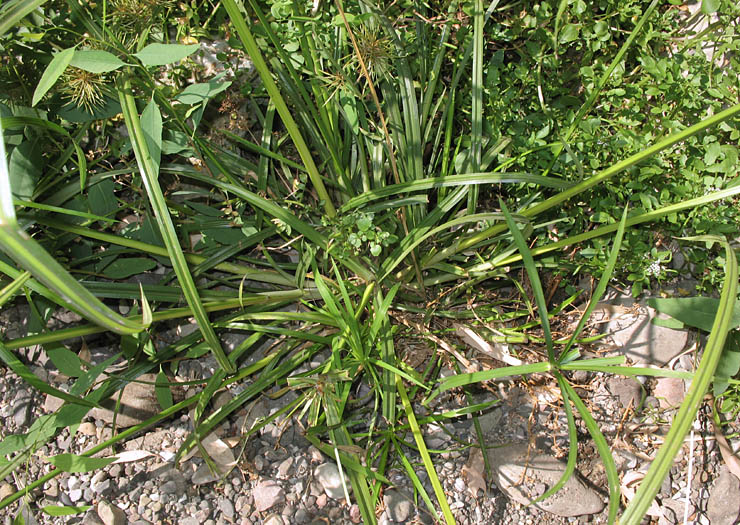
<point x="630" y="481"/>
<point x="474" y="472"/>
<point x="498" y="352"/>
<point x="132" y="455"/>
<point x="731" y="460"/>
<point x="217" y="450"/>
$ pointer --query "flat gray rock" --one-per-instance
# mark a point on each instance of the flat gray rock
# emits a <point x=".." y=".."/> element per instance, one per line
<point x="723" y="507"/>
<point x="398" y="505"/>
<point x="110" y="514"/>
<point x="627" y="389"/>
<point x="523" y="479"/>
<point x="138" y="403"/>
<point x="328" y="476"/>
<point x="669" y="391"/>
<point x="630" y="330"/>
<point x="267" y="494"/>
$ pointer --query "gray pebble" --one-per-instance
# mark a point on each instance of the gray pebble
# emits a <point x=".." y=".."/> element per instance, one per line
<point x="75" y="495"/>
<point x="330" y="479"/>
<point x="226" y="507"/>
<point x="22" y="408"/>
<point x="267" y="494"/>
<point x="301" y="516"/>
<point x="398" y="505"/>
<point x="273" y="519"/>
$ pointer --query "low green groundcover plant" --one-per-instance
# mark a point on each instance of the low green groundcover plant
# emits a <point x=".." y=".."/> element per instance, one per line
<point x="375" y="159"/>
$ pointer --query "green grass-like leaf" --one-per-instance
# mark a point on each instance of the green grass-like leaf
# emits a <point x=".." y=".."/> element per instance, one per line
<point x="682" y="421"/>
<point x="150" y="175"/>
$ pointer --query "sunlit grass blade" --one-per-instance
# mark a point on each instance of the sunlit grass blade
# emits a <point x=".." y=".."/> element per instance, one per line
<point x="682" y="421"/>
<point x="14" y="10"/>
<point x="414" y="478"/>
<point x="465" y="179"/>
<point x="601" y="446"/>
<point x="570" y="466"/>
<point x="565" y="355"/>
<point x="11" y="289"/>
<point x="250" y="46"/>
<point x="476" y="115"/>
<point x="424" y="452"/>
<point x="611" y="228"/>
<point x="150" y="175"/>
<point x="534" y="279"/>
<point x="486" y="375"/>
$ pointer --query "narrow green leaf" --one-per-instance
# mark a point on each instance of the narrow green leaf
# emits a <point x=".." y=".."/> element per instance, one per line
<point x="96" y="61"/>
<point x="162" y="391"/>
<point x="252" y="49"/>
<point x="73" y="463"/>
<point x="534" y="279"/>
<point x="14" y="10"/>
<point x="150" y="176"/>
<point x="476" y="132"/>
<point x="52" y="72"/>
<point x="682" y="421"/>
<point x="9" y="291"/>
<point x="128" y="266"/>
<point x="151" y="124"/>
<point x="566" y="355"/>
<point x="55" y="510"/>
<point x="162" y="54"/>
<point x="601" y="446"/>
<point x="424" y="453"/>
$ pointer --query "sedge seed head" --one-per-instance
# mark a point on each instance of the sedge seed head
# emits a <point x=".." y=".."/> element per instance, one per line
<point x="83" y="88"/>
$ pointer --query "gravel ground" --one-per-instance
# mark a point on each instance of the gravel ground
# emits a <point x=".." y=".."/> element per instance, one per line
<point x="280" y="478"/>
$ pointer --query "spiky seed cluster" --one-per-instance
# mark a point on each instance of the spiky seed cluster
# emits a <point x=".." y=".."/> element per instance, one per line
<point x="375" y="50"/>
<point x="83" y="88"/>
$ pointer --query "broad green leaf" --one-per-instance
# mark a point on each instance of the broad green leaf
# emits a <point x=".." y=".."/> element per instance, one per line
<point x="729" y="363"/>
<point x="163" y="392"/>
<point x="196" y="93"/>
<point x="151" y="123"/>
<point x="569" y="34"/>
<point x="96" y="61"/>
<point x="161" y="54"/>
<point x="698" y="312"/>
<point x="74" y="463"/>
<point x="25" y="166"/>
<point x="710" y="6"/>
<point x="128" y="266"/>
<point x="102" y="200"/>
<point x="65" y="360"/>
<point x="55" y="510"/>
<point x="72" y="113"/>
<point x="52" y="73"/>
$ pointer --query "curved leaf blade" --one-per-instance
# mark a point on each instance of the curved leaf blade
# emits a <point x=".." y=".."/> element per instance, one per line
<point x="52" y="73"/>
